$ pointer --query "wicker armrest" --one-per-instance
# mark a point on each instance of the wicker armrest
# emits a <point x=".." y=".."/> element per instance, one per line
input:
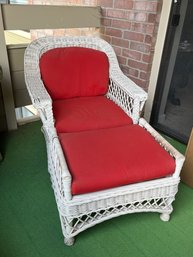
<point x="167" y="146"/>
<point x="57" y="166"/>
<point x="126" y="94"/>
<point x="40" y="98"/>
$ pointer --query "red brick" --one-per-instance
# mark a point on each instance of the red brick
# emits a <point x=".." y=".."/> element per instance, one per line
<point x="121" y="24"/>
<point x="159" y="7"/>
<point x="117" y="50"/>
<point x="141" y="27"/>
<point x="146" y="6"/>
<point x="150" y="28"/>
<point x="123" y="4"/>
<point x="148" y="58"/>
<point x="139" y="5"/>
<point x="133" y="36"/>
<point x="141" y="16"/>
<point x="122" y="68"/>
<point x="138" y="27"/>
<point x="138" y="65"/>
<point x="153" y="41"/>
<point x="120" y="42"/>
<point x="131" y="15"/>
<point x="156" y="26"/>
<point x="131" y="54"/>
<point x="121" y="60"/>
<point x="106" y="22"/>
<point x="151" y="18"/>
<point x="148" y="39"/>
<point x="121" y="14"/>
<point x="106" y="3"/>
<point x="114" y="32"/>
<point x="140" y="47"/>
<point x="152" y="6"/>
<point x="144" y="75"/>
<point x="125" y="70"/>
<point x="158" y="18"/>
<point x="130" y="72"/>
<point x="84" y="2"/>
<point x="133" y="72"/>
<point x="141" y="83"/>
<point x="106" y="38"/>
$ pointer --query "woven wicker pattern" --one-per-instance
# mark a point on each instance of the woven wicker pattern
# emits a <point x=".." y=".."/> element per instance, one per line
<point x="80" y="212"/>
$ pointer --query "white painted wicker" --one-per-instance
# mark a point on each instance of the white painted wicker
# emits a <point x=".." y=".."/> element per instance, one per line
<point x="80" y="212"/>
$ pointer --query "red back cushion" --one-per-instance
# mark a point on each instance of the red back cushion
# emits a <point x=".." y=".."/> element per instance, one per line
<point x="74" y="72"/>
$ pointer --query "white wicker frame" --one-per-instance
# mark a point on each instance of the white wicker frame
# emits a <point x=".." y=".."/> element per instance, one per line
<point x="80" y="212"/>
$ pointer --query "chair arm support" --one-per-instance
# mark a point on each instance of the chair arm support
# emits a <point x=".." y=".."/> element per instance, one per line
<point x="41" y="100"/>
<point x="60" y="175"/>
<point x="179" y="158"/>
<point x="130" y="97"/>
<point x="38" y="94"/>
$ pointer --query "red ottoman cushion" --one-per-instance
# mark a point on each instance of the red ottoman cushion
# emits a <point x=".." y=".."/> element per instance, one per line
<point x="113" y="157"/>
<point x="74" y="72"/>
<point x="87" y="113"/>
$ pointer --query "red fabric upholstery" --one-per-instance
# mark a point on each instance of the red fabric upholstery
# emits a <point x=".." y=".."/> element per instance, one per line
<point x="113" y="157"/>
<point x="74" y="72"/>
<point x="86" y="113"/>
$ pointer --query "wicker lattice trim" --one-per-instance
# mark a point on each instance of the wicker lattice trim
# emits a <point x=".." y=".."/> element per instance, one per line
<point x="80" y="223"/>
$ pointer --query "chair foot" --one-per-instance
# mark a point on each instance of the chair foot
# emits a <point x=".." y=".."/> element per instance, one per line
<point x="165" y="216"/>
<point x="69" y="241"/>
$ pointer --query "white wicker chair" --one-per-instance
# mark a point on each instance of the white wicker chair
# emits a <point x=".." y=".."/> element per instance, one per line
<point x="80" y="212"/>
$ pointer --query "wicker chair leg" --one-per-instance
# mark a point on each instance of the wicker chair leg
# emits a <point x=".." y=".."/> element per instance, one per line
<point x="68" y="226"/>
<point x="69" y="241"/>
<point x="165" y="216"/>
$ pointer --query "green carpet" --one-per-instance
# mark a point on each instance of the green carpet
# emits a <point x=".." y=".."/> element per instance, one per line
<point x="30" y="226"/>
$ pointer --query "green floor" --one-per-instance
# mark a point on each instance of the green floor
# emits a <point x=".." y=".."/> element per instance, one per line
<point x="29" y="222"/>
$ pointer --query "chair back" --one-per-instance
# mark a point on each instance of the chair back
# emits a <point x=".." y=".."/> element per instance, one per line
<point x="69" y="72"/>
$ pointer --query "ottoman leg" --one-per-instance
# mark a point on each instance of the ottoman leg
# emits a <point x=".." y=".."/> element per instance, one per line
<point x="69" y="241"/>
<point x="165" y="216"/>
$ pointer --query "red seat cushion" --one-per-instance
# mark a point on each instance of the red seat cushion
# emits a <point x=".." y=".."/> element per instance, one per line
<point x="86" y="113"/>
<point x="113" y="157"/>
<point x="74" y="72"/>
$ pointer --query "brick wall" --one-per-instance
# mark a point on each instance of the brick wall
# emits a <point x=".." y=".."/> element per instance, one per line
<point x="64" y="2"/>
<point x="130" y="26"/>
<point x="70" y="32"/>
